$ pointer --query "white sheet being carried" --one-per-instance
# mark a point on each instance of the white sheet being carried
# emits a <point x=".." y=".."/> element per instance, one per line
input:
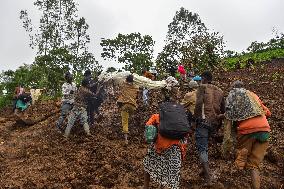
<point x="141" y="81"/>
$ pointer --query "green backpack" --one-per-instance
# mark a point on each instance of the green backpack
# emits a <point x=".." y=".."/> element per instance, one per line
<point x="150" y="133"/>
<point x="21" y="105"/>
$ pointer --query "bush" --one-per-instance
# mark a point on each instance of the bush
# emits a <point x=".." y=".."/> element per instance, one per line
<point x="5" y="100"/>
<point x="257" y="57"/>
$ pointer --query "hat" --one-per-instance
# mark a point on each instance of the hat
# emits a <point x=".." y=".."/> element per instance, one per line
<point x="197" y="78"/>
<point x="192" y="84"/>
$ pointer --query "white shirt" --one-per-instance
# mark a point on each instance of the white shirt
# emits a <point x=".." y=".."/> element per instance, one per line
<point x="66" y="89"/>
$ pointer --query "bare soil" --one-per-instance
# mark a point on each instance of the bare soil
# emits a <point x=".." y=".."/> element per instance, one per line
<point x="38" y="156"/>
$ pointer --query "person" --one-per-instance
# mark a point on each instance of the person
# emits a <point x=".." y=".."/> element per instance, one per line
<point x="172" y="70"/>
<point x="163" y="160"/>
<point x="253" y="130"/>
<point x="91" y="105"/>
<point x="154" y="72"/>
<point x="189" y="99"/>
<point x="127" y="103"/>
<point x="208" y="113"/>
<point x="109" y="90"/>
<point x="68" y="90"/>
<point x="100" y="97"/>
<point x="19" y="90"/>
<point x="181" y="72"/>
<point x="190" y="74"/>
<point x="79" y="110"/>
<point x="23" y="101"/>
<point x="148" y="75"/>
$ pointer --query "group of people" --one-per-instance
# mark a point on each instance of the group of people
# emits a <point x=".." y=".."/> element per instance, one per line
<point x="80" y="103"/>
<point x="207" y="110"/>
<point x="242" y="111"/>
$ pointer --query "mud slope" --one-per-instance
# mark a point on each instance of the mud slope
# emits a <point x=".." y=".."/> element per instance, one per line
<point x="39" y="157"/>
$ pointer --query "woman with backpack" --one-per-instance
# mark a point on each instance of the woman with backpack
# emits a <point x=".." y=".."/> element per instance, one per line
<point x="164" y="157"/>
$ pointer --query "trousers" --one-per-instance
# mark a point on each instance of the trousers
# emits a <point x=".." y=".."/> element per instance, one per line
<point x="126" y="109"/>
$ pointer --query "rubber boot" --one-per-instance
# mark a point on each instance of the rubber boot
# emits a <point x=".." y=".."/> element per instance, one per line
<point x="255" y="178"/>
<point x="201" y="173"/>
<point x="206" y="173"/>
<point x="87" y="129"/>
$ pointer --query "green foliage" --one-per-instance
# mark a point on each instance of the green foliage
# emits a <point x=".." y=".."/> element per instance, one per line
<point x="51" y="68"/>
<point x="230" y="54"/>
<point x="5" y="101"/>
<point x="256" y="57"/>
<point x="257" y="52"/>
<point x="190" y="43"/>
<point x="133" y="50"/>
<point x="9" y="80"/>
<point x="275" y="43"/>
<point x="61" y="42"/>
<point x="46" y="97"/>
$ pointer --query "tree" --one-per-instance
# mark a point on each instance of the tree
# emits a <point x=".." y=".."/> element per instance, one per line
<point x="10" y="79"/>
<point x="230" y="53"/>
<point x="61" y="41"/>
<point x="190" y="43"/>
<point x="52" y="68"/>
<point x="256" y="47"/>
<point x="133" y="50"/>
<point x="275" y="43"/>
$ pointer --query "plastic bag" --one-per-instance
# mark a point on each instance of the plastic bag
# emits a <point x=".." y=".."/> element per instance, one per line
<point x="150" y="133"/>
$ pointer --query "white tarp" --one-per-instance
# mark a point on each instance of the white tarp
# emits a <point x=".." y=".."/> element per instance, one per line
<point x="141" y="81"/>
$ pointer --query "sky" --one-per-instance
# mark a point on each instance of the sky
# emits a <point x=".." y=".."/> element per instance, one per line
<point x="239" y="21"/>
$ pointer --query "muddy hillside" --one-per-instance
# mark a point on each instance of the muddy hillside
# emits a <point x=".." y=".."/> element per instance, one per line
<point x="37" y="156"/>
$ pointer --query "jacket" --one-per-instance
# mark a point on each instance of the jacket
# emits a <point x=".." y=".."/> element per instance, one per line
<point x="129" y="92"/>
<point x="82" y="97"/>
<point x="255" y="124"/>
<point x="209" y="103"/>
<point x="163" y="143"/>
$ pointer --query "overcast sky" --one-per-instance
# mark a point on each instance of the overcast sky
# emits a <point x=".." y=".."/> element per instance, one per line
<point x="240" y="21"/>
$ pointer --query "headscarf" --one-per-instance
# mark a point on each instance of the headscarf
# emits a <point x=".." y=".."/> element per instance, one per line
<point x="197" y="78"/>
<point x="193" y="84"/>
<point x="242" y="105"/>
